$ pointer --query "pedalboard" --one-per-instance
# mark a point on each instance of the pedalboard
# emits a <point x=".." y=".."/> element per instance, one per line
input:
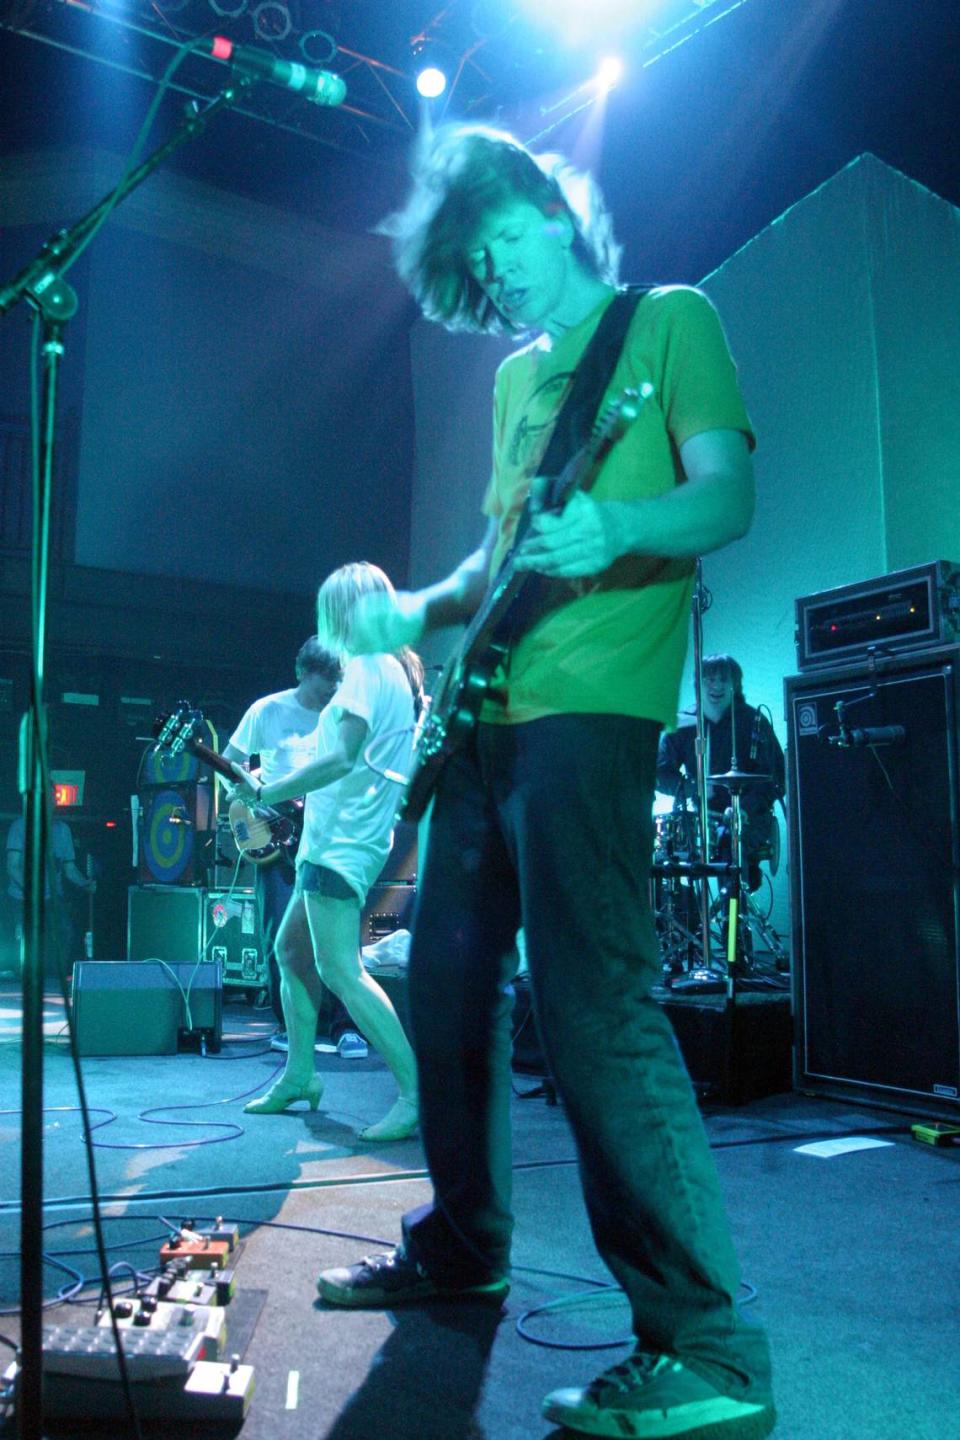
<point x="174" y="1338"/>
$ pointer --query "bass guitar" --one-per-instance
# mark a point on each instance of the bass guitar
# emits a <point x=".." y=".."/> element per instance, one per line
<point x="466" y="678"/>
<point x="261" y="833"/>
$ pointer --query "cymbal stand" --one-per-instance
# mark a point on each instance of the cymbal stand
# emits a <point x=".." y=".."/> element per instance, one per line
<point x="700" y="604"/>
<point x="679" y="945"/>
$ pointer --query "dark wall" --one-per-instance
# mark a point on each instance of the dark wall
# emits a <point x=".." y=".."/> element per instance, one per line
<point x="240" y="387"/>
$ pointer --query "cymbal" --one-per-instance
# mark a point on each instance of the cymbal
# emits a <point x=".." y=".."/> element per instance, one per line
<point x="733" y="777"/>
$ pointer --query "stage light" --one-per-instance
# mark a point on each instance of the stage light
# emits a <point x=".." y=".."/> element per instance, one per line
<point x="271" y="20"/>
<point x="609" y="73"/>
<point x="430" y="66"/>
<point x="317" y="47"/>
<point x="228" y="9"/>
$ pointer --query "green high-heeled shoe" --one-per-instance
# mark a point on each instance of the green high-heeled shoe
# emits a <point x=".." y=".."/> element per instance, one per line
<point x="284" y="1093"/>
<point x="399" y="1123"/>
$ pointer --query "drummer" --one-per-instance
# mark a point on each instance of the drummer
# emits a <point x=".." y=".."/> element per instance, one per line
<point x="727" y="715"/>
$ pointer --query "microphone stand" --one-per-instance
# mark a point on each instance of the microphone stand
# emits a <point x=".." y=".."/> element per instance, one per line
<point x="40" y="283"/>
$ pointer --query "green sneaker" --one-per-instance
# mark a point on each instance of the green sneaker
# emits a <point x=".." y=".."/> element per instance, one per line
<point x="651" y="1397"/>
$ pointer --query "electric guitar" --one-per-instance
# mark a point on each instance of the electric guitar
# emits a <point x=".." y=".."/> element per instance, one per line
<point x="466" y="678"/>
<point x="261" y="833"/>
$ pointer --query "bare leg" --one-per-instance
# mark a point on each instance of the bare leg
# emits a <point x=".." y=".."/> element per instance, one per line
<point x="335" y="927"/>
<point x="301" y="993"/>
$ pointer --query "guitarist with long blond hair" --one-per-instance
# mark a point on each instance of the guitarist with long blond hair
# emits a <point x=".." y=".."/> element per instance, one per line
<point x="364" y="740"/>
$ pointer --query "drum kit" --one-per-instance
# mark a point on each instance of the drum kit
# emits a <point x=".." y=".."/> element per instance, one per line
<point x="681" y="868"/>
<point x="707" y="920"/>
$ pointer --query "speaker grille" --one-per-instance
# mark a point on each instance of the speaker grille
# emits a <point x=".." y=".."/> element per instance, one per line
<point x="874" y="882"/>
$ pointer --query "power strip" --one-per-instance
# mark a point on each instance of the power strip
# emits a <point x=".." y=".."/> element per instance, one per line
<point x="148" y="1314"/>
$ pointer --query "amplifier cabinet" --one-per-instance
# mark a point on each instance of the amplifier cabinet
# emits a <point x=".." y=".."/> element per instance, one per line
<point x="389" y="907"/>
<point x="232" y="936"/>
<point x="874" y="882"/>
<point x="140" y="1007"/>
<point x="164" y="922"/>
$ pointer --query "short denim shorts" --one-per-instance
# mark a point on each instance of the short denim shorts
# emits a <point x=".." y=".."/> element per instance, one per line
<point x="319" y="880"/>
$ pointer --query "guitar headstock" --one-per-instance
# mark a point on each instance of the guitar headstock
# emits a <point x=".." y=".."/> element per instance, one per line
<point x="175" y="731"/>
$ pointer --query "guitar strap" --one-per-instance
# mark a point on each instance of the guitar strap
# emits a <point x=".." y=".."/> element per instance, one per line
<point x="580" y="409"/>
<point x="574" y="423"/>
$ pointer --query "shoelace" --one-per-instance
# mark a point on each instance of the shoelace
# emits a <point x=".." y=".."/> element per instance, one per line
<point x="388" y="1260"/>
<point x="638" y="1369"/>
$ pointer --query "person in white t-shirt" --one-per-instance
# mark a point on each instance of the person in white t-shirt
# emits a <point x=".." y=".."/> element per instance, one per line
<point x="281" y="730"/>
<point x="365" y="737"/>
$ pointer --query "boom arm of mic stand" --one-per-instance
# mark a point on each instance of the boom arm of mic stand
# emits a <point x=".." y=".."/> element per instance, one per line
<point x="58" y="252"/>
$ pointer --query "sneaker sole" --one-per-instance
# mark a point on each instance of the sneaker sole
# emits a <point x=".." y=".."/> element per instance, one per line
<point x="756" y="1424"/>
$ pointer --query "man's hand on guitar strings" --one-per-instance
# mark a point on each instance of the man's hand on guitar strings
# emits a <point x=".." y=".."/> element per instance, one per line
<point x="248" y="787"/>
<point x="583" y="539"/>
<point x="387" y="623"/>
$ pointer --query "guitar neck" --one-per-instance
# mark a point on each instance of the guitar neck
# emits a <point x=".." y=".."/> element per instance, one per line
<point x="211" y="758"/>
<point x="510" y="581"/>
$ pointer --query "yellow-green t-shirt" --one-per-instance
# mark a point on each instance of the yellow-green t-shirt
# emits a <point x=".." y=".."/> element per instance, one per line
<point x="618" y="648"/>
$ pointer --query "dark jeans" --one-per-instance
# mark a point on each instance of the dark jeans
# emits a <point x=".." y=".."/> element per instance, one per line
<point x="275" y="885"/>
<point x="548" y="824"/>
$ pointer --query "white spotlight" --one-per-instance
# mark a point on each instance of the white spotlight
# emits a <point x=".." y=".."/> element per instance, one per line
<point x="609" y="73"/>
<point x="431" y="82"/>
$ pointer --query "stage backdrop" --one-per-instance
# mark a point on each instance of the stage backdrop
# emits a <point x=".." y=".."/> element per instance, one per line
<point x="240" y="377"/>
<point x="842" y="319"/>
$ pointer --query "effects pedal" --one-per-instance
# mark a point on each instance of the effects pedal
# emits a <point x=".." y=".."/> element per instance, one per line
<point x="182" y="1285"/>
<point x="219" y="1230"/>
<point x="82" y="1378"/>
<point x="147" y="1313"/>
<point x="933" y="1132"/>
<point x="200" y="1254"/>
<point x="90" y="1354"/>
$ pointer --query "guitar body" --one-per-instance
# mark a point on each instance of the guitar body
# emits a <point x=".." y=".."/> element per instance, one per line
<point x="466" y="679"/>
<point x="448" y="725"/>
<point x="261" y="833"/>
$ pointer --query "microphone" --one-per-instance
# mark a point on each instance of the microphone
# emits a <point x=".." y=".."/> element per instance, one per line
<point x="855" y="736"/>
<point x="755" y="736"/>
<point x="321" y="87"/>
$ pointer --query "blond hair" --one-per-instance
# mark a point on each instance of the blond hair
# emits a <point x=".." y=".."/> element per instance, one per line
<point x="461" y="172"/>
<point x="337" y="601"/>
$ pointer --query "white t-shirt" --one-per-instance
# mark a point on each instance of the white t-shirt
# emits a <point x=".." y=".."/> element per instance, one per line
<point x="281" y="731"/>
<point x="348" y="826"/>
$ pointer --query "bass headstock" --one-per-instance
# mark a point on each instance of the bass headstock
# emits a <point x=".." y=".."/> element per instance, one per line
<point x="176" y="731"/>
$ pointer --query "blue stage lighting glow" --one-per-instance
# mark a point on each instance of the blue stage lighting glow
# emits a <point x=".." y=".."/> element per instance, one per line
<point x="574" y="22"/>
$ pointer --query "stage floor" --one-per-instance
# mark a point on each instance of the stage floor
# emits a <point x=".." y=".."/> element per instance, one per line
<point x="845" y="1256"/>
